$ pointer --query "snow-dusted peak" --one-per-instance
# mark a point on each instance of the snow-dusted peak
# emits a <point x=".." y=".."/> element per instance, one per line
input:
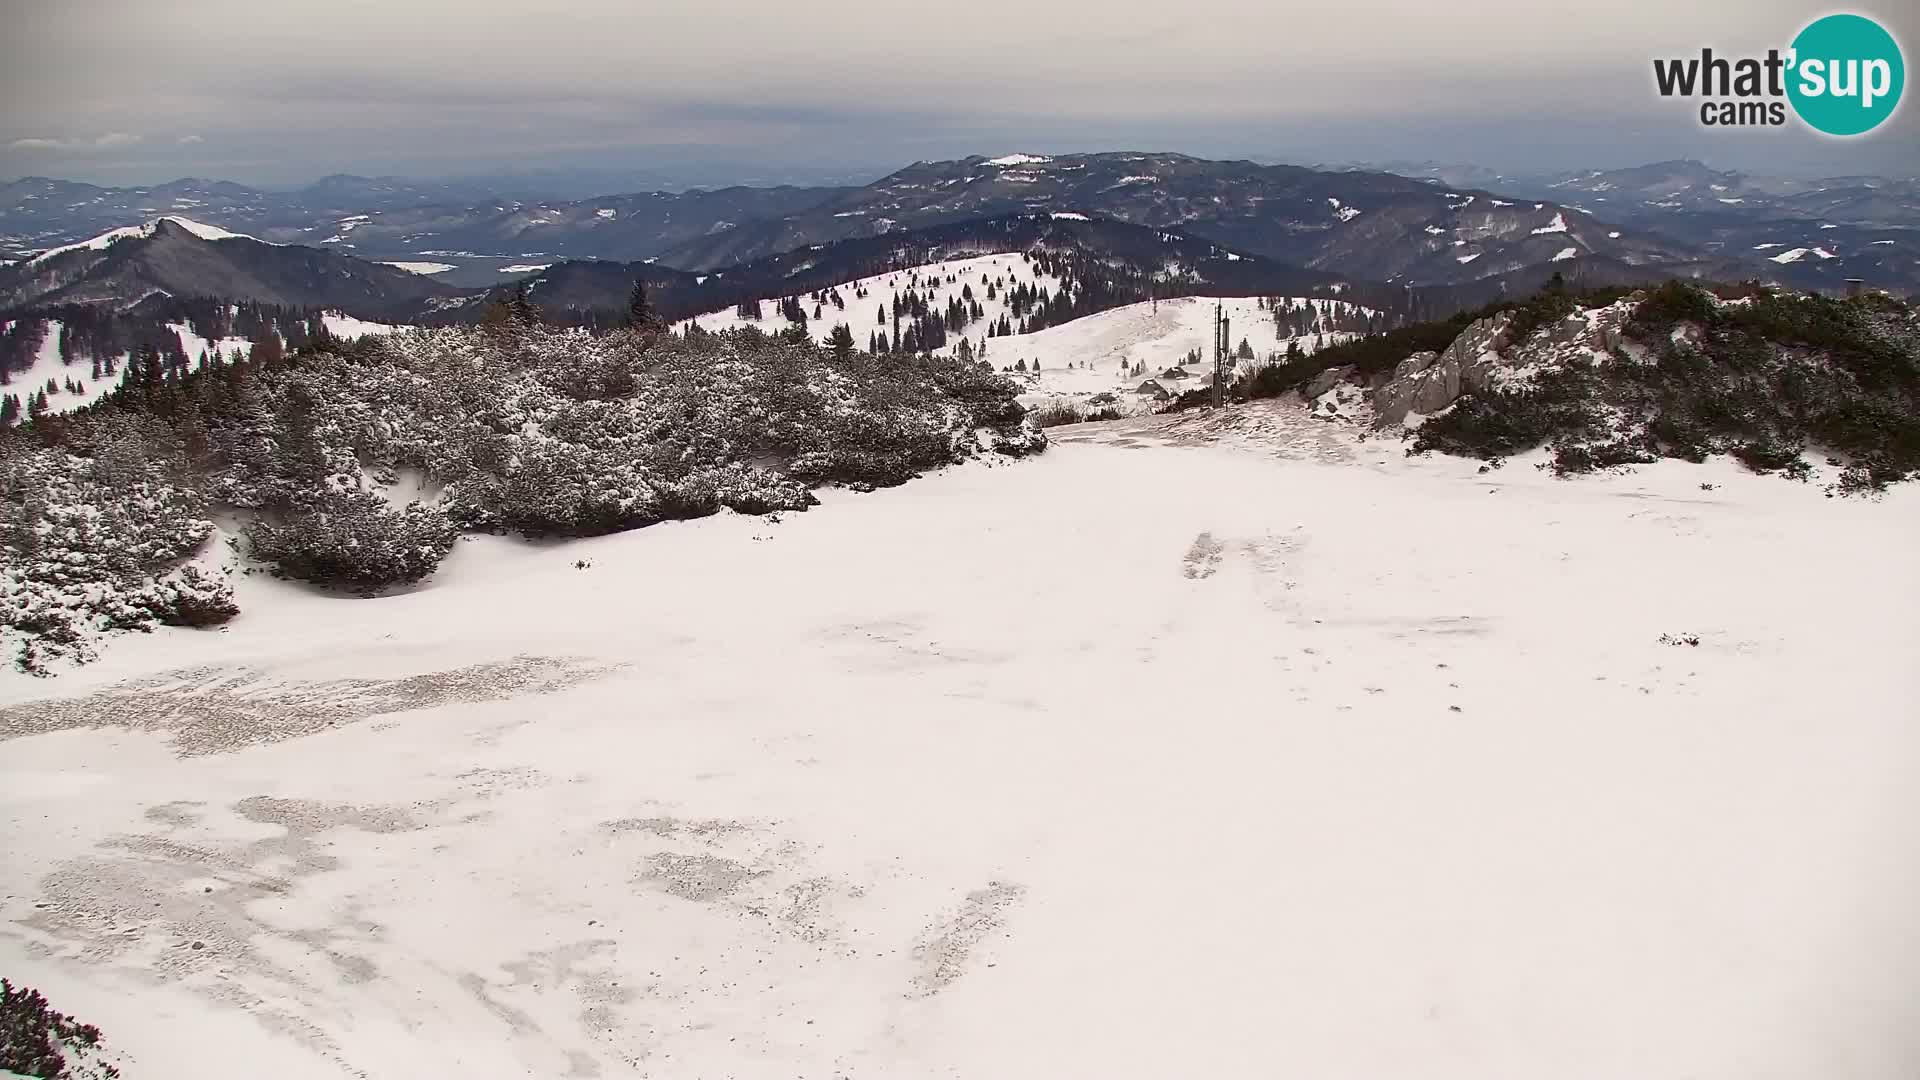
<point x="130" y="232"/>
<point x="1019" y="159"/>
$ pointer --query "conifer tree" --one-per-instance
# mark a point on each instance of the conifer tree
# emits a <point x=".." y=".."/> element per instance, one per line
<point x="520" y="309"/>
<point x="640" y="313"/>
<point x="267" y="351"/>
<point x="840" y="341"/>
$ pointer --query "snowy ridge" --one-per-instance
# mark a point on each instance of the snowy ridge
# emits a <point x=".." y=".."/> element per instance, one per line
<point x="130" y="232"/>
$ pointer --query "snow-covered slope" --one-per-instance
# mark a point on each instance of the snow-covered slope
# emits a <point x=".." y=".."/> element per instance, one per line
<point x="347" y="327"/>
<point x="49" y="368"/>
<point x="1076" y="359"/>
<point x="111" y="236"/>
<point x="940" y="281"/>
<point x="961" y="779"/>
<point x="1092" y="355"/>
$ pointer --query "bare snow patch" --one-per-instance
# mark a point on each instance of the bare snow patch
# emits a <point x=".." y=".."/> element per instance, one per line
<point x="1794" y="255"/>
<point x="1557" y="225"/>
<point x="347" y="327"/>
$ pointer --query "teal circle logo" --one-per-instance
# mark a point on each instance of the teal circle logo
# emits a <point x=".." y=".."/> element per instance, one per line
<point x="1847" y="75"/>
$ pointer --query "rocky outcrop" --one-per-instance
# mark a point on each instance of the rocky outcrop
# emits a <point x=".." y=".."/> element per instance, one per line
<point x="1486" y="355"/>
<point x="1327" y="380"/>
<point x="1341" y="401"/>
<point x="1425" y="383"/>
<point x="1415" y="364"/>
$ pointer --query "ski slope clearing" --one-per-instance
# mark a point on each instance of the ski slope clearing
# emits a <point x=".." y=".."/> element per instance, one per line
<point x="1092" y="356"/>
<point x="1314" y="761"/>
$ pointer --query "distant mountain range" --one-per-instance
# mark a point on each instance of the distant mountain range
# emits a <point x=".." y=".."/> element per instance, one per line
<point x="179" y="257"/>
<point x="1375" y="226"/>
<point x="1441" y="235"/>
<point x="1813" y="233"/>
<point x="392" y="219"/>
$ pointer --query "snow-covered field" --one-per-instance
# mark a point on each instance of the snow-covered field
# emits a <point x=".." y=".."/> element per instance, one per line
<point x="346" y="326"/>
<point x="1211" y="746"/>
<point x="426" y="268"/>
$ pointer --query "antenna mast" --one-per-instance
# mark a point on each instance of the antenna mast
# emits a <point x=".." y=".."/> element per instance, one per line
<point x="1220" y="336"/>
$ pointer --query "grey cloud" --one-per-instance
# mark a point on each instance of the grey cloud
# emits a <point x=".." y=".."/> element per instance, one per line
<point x="438" y="86"/>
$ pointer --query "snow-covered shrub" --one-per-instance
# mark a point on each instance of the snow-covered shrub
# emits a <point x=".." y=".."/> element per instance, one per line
<point x="38" y="1040"/>
<point x="93" y="541"/>
<point x="1061" y="413"/>
<point x="549" y="431"/>
<point x="353" y="540"/>
<point x="527" y="428"/>
<point x="1763" y="379"/>
<point x="1020" y="441"/>
<point x="190" y="596"/>
<point x="1503" y="421"/>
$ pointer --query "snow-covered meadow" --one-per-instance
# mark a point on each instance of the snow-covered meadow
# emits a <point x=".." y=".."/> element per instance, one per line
<point x="1212" y="745"/>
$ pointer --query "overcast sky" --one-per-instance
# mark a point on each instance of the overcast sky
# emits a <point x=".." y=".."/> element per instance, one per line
<point x="283" y="91"/>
